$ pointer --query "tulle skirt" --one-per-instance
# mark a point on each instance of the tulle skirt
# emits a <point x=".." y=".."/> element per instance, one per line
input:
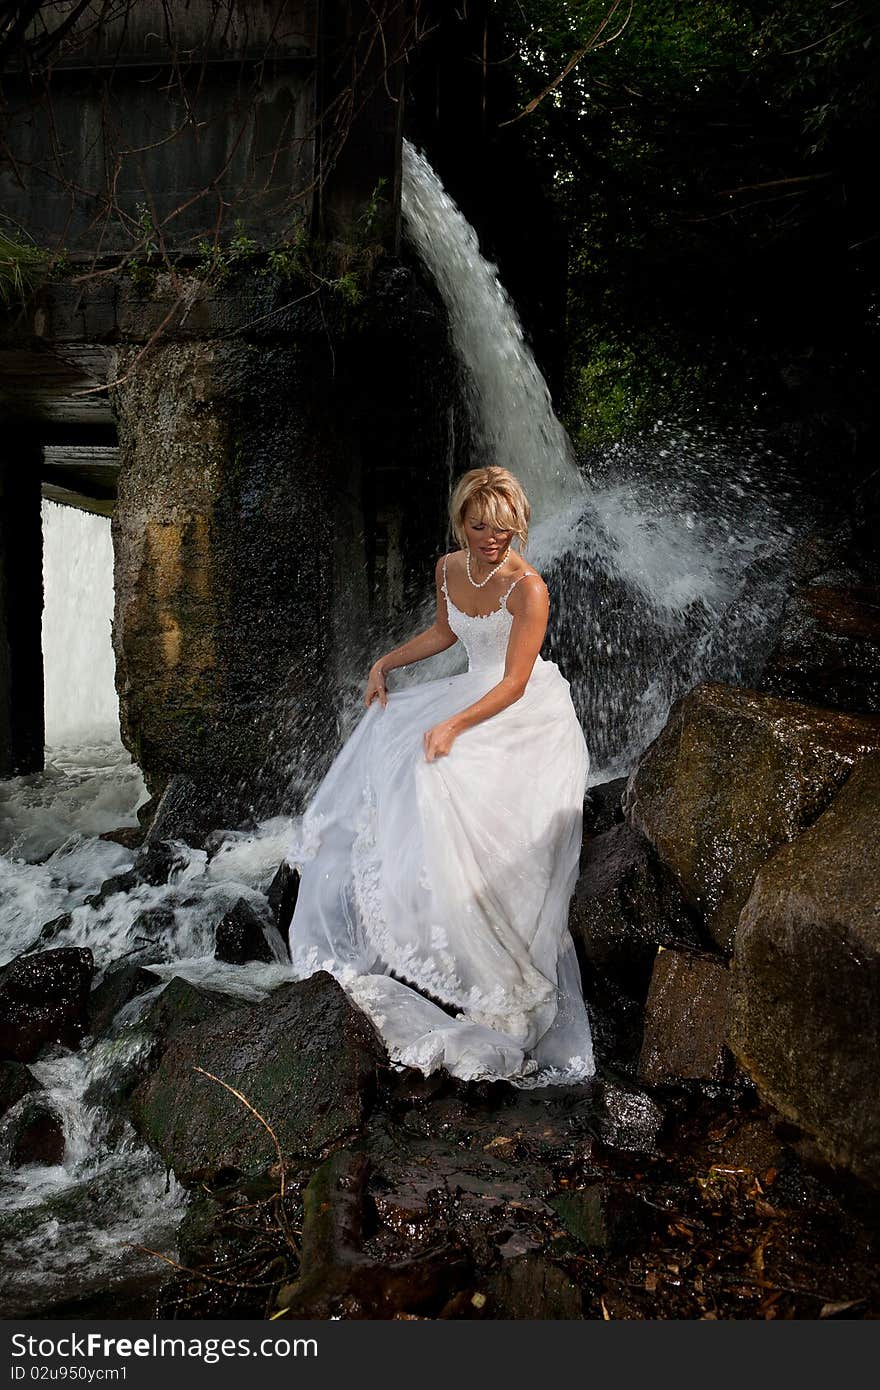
<point x="452" y="879"/>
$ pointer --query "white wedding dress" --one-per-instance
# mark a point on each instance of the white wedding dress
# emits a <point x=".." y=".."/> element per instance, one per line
<point x="453" y="877"/>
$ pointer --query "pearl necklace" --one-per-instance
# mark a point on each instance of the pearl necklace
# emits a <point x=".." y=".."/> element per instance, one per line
<point x="483" y="582"/>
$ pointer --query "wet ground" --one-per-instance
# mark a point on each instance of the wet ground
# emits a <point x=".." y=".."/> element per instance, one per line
<point x="479" y="1201"/>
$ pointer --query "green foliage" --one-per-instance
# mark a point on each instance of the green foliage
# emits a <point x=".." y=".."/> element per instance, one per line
<point x="141" y="266"/>
<point x="713" y="170"/>
<point x="343" y="266"/>
<point x="217" y="261"/>
<point x="23" y="266"/>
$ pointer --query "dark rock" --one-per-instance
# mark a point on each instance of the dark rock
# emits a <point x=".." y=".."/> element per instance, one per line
<point x="35" y="1135"/>
<point x="602" y="807"/>
<point x="190" y="810"/>
<point x="15" y="1081"/>
<point x="602" y="1216"/>
<point x="685" y="1020"/>
<point x="628" y="1120"/>
<point x="625" y="905"/>
<point x="196" y="1235"/>
<point x="154" y="864"/>
<point x="531" y="1287"/>
<point x="305" y="1058"/>
<point x="157" y="861"/>
<point x="129" y="836"/>
<point x="282" y="895"/>
<point x="43" y="999"/>
<point x="616" y="1019"/>
<point x="828" y="649"/>
<point x="805" y="986"/>
<point x="734" y="775"/>
<point x="122" y="981"/>
<point x="152" y="923"/>
<point x="119" y="883"/>
<point x="240" y="937"/>
<point x="752" y="1144"/>
<point x="49" y="932"/>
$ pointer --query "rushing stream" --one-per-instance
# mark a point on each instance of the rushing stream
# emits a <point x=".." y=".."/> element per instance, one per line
<point x="666" y="565"/>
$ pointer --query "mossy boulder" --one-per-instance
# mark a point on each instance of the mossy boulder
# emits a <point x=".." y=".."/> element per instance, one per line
<point x="734" y="775"/>
<point x="304" y="1058"/>
<point x="805" y="986"/>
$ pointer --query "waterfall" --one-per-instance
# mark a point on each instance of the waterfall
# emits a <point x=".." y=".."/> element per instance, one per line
<point x="511" y="411"/>
<point x="666" y="567"/>
<point x="81" y="703"/>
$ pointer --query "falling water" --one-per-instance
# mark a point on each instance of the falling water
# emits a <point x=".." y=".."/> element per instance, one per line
<point x="669" y="571"/>
<point x="509" y="403"/>
<point x="81" y="703"/>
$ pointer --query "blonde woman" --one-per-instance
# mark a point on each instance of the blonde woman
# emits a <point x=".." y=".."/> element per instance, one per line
<point x="439" y="854"/>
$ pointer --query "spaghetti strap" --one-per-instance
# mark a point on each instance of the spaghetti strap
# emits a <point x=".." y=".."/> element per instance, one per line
<point x="443" y="585"/>
<point x="525" y="575"/>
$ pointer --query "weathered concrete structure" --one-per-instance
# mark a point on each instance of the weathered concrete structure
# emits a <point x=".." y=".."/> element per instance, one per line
<point x="262" y="442"/>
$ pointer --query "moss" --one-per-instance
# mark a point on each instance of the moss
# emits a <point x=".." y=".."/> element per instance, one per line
<point x="24" y="266"/>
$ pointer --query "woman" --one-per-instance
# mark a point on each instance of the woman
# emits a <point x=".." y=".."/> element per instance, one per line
<point x="439" y="854"/>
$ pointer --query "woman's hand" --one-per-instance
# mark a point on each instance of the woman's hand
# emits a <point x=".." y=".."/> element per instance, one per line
<point x="376" y="686"/>
<point x="439" y="740"/>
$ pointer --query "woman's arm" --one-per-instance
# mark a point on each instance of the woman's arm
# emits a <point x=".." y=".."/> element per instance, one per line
<point x="436" y="638"/>
<point x="530" y="606"/>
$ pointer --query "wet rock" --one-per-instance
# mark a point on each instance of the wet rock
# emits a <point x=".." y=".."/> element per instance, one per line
<point x="805" y="986"/>
<point x="158" y="860"/>
<point x="625" y="905"/>
<point x="628" y="1119"/>
<point x="616" y="1019"/>
<point x="685" y="1020"/>
<point x="337" y="1278"/>
<point x="602" y="1216"/>
<point x="752" y="1144"/>
<point x="282" y="895"/>
<point x="531" y="1287"/>
<point x="305" y="1059"/>
<point x="153" y="923"/>
<point x="49" y="932"/>
<point x="603" y="806"/>
<point x="828" y="649"/>
<point x="240" y="937"/>
<point x="154" y="865"/>
<point x="35" y="1134"/>
<point x="129" y="836"/>
<point x="44" y="999"/>
<point x="122" y="981"/>
<point x="734" y="775"/>
<point x="189" y="809"/>
<point x="15" y="1081"/>
<point x="123" y="1062"/>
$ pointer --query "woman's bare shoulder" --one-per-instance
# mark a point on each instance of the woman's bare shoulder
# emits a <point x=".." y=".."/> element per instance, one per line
<point x="528" y="588"/>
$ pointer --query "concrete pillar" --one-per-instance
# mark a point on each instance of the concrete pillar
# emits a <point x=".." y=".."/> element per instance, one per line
<point x="21" y="607"/>
<point x="223" y="573"/>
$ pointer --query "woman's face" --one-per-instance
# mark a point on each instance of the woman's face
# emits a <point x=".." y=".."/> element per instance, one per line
<point x="487" y="541"/>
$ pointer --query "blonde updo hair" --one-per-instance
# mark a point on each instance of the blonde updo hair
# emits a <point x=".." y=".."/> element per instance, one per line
<point x="499" y="498"/>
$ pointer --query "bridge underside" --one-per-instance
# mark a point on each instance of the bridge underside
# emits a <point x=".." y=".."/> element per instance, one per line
<point x="55" y="404"/>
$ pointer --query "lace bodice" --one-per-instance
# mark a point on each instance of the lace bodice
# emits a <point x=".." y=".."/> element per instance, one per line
<point x="484" y="637"/>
